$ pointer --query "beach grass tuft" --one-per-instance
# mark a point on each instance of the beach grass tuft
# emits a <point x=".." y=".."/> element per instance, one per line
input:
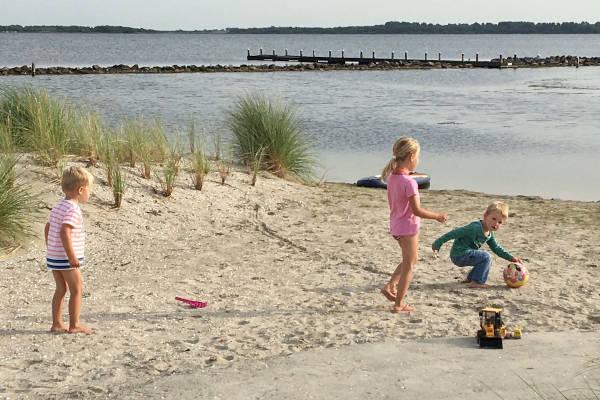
<point x="200" y="164"/>
<point x="170" y="170"/>
<point x="257" y="160"/>
<point x="16" y="205"/>
<point x="119" y="185"/>
<point x="258" y="122"/>
<point x="224" y="168"/>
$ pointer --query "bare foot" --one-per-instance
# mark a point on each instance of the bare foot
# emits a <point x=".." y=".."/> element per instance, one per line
<point x="479" y="285"/>
<point x="403" y="309"/>
<point x="466" y="280"/>
<point x="59" y="328"/>
<point x="80" y="329"/>
<point x="388" y="294"/>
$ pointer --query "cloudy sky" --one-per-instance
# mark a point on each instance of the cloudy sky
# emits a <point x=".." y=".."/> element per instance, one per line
<point x="217" y="14"/>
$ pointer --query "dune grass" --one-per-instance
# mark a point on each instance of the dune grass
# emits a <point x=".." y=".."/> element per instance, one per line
<point x="199" y="161"/>
<point x="224" y="168"/>
<point x="39" y="123"/>
<point x="16" y="205"/>
<point x="257" y="161"/>
<point x="48" y="126"/>
<point x="119" y="185"/>
<point x="171" y="166"/>
<point x="260" y="123"/>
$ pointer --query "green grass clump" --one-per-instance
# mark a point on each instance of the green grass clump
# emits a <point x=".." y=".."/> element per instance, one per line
<point x="200" y="163"/>
<point x="258" y="123"/>
<point x="119" y="184"/>
<point x="224" y="168"/>
<point x="257" y="160"/>
<point x="38" y="123"/>
<point x="16" y="205"/>
<point x="87" y="136"/>
<point x="171" y="167"/>
<point x="143" y="141"/>
<point x="48" y="126"/>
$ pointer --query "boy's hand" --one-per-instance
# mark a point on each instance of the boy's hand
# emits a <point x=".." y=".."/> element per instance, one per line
<point x="516" y="260"/>
<point x="74" y="263"/>
<point x="441" y="217"/>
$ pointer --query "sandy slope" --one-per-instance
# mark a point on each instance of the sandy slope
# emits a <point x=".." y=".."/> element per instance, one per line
<point x="284" y="268"/>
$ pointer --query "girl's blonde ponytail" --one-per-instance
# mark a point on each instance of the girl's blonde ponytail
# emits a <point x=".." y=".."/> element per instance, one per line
<point x="404" y="147"/>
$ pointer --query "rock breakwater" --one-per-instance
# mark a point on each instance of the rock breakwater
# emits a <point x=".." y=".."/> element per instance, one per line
<point x="511" y="62"/>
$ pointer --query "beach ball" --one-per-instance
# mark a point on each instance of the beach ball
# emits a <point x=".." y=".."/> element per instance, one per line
<point x="515" y="275"/>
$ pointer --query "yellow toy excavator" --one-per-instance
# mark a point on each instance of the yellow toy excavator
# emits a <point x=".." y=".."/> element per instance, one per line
<point x="492" y="329"/>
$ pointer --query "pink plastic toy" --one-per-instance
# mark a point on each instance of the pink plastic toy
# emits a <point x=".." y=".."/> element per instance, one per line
<point x="192" y="303"/>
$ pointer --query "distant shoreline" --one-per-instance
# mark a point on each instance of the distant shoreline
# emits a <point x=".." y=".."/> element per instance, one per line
<point x="391" y="27"/>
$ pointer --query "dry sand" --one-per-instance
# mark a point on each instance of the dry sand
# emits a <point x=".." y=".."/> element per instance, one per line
<point x="285" y="268"/>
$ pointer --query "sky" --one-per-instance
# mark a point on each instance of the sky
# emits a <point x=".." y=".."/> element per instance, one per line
<point x="219" y="14"/>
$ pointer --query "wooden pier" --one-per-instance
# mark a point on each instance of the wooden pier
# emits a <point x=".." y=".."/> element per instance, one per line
<point x="361" y="60"/>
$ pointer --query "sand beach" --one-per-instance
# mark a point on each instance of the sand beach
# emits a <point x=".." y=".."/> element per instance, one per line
<point x="291" y="274"/>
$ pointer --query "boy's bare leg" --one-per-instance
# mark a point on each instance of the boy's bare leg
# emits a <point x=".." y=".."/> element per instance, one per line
<point x="73" y="279"/>
<point x="57" y="303"/>
<point x="409" y="245"/>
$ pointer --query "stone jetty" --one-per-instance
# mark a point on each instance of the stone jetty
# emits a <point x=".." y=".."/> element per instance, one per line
<point x="509" y="62"/>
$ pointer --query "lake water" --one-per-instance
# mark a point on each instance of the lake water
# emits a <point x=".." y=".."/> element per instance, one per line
<point x="528" y="131"/>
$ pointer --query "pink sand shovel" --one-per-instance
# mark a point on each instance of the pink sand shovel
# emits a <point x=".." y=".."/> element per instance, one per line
<point x="192" y="303"/>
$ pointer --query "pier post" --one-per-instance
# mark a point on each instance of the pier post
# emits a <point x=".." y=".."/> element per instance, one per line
<point x="273" y="51"/>
<point x="392" y="56"/>
<point x="425" y="56"/>
<point x="261" y="51"/>
<point x="440" y="57"/>
<point x="300" y="53"/>
<point x="286" y="52"/>
<point x="248" y="52"/>
<point x="462" y="57"/>
<point x="342" y="54"/>
<point x="361" y="54"/>
<point x="373" y="54"/>
<point x="32" y="69"/>
<point x="329" y="53"/>
<point x="476" y="57"/>
<point x="405" y="56"/>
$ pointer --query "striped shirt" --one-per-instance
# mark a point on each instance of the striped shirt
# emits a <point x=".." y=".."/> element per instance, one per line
<point x="65" y="212"/>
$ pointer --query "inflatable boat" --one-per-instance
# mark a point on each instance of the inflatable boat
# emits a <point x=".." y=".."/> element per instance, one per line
<point x="423" y="180"/>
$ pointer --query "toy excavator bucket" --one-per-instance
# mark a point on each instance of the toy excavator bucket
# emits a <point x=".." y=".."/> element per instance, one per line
<point x="492" y="342"/>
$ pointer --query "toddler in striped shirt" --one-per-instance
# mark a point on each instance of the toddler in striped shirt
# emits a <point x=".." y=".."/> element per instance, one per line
<point x="65" y="243"/>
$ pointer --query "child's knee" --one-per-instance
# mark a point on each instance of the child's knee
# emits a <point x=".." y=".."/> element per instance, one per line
<point x="487" y="257"/>
<point x="75" y="290"/>
<point x="60" y="290"/>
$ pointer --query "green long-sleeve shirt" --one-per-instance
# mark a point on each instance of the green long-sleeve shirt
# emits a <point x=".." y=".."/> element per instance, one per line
<point x="470" y="237"/>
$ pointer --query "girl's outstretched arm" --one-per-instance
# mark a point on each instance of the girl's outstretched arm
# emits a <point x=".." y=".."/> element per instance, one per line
<point x="415" y="206"/>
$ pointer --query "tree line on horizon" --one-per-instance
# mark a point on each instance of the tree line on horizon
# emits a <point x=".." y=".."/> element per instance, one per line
<point x="392" y="27"/>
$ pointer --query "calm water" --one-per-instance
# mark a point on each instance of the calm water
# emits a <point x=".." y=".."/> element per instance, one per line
<point x="532" y="132"/>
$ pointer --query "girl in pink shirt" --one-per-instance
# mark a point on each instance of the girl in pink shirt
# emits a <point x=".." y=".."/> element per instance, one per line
<point x="405" y="214"/>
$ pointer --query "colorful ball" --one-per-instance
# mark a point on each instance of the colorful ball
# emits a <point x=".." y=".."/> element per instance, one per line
<point x="515" y="275"/>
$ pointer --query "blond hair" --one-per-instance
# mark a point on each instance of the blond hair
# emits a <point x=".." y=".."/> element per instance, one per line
<point x="403" y="148"/>
<point x="74" y="178"/>
<point x="498" y="206"/>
